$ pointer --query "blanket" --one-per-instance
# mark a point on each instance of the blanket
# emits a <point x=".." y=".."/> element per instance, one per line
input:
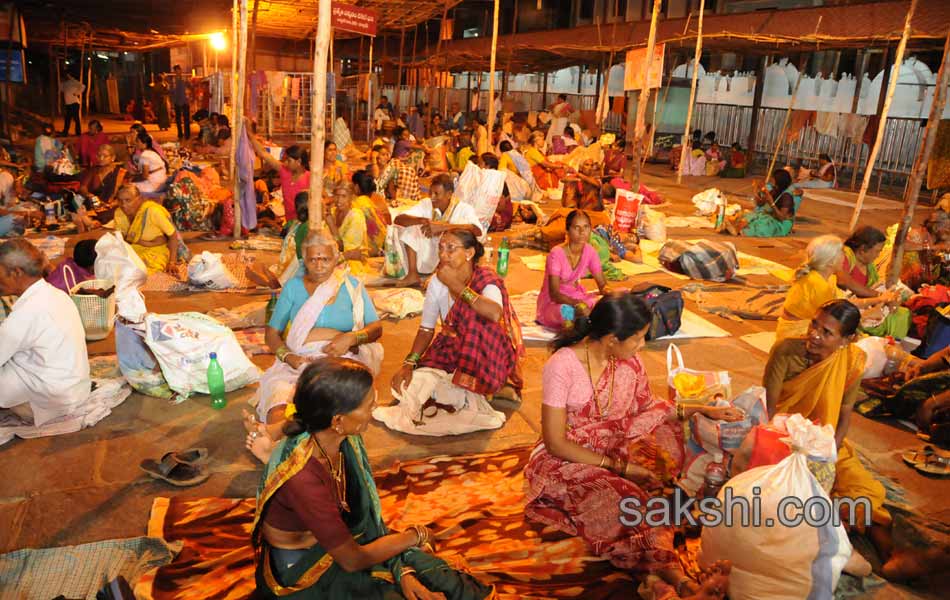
<point x="477" y="510"/>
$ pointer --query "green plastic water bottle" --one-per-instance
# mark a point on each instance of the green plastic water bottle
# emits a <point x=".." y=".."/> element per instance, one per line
<point x="216" y="383"/>
<point x="502" y="267"/>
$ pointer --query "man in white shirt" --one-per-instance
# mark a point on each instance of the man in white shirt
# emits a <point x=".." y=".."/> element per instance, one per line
<point x="72" y="96"/>
<point x="44" y="367"/>
<point x="416" y="232"/>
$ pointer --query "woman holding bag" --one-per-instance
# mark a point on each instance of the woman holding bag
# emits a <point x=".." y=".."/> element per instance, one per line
<point x="324" y="312"/>
<point x="606" y="438"/>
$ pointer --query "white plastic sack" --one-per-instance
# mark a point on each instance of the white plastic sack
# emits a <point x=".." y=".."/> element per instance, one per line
<point x="482" y="189"/>
<point x="874" y="347"/>
<point x="780" y="562"/>
<point x="652" y="224"/>
<point x="708" y="201"/>
<point x="116" y="260"/>
<point x="182" y="343"/>
<point x="207" y="270"/>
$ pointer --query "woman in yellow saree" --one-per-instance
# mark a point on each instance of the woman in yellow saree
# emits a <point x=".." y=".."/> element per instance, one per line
<point x="348" y="226"/>
<point x="318" y="529"/>
<point x="815" y="283"/>
<point x="148" y="227"/>
<point x="819" y="377"/>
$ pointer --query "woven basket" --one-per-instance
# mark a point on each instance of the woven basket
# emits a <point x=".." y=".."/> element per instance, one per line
<point x="97" y="314"/>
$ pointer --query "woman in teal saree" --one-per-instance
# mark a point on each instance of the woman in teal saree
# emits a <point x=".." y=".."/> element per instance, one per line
<point x="318" y="530"/>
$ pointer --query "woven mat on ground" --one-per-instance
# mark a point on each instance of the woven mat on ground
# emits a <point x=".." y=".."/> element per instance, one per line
<point x="479" y="497"/>
<point x="847" y="198"/>
<point x="525" y="306"/>
<point x="757" y="303"/>
<point x="80" y="571"/>
<point x="163" y="282"/>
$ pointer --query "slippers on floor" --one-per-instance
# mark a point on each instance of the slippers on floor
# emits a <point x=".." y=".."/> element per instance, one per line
<point x="173" y="471"/>
<point x="929" y="460"/>
<point x="191" y="456"/>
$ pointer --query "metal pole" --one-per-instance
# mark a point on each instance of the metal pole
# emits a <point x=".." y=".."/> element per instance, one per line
<point x="318" y="118"/>
<point x="895" y="72"/>
<point x="692" y="92"/>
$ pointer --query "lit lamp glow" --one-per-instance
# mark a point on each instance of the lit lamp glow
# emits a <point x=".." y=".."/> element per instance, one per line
<point x="217" y="41"/>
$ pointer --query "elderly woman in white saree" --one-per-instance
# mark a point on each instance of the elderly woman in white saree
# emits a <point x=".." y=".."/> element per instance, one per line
<point x="324" y="312"/>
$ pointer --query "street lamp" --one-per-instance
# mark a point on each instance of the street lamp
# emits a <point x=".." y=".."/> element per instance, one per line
<point x="218" y="43"/>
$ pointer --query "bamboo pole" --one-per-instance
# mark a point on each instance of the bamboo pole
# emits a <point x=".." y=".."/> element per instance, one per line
<point x="491" y="75"/>
<point x="253" y="44"/>
<point x="892" y="85"/>
<point x="238" y="83"/>
<point x="318" y="117"/>
<point x="920" y="165"/>
<point x="788" y="115"/>
<point x="402" y="43"/>
<point x="604" y="100"/>
<point x="369" y="92"/>
<point x="692" y="91"/>
<point x="645" y="92"/>
<point x="862" y="62"/>
<point x="438" y="52"/>
<point x="415" y="69"/>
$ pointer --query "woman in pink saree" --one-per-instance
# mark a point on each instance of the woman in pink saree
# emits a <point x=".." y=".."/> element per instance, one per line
<point x="605" y="438"/>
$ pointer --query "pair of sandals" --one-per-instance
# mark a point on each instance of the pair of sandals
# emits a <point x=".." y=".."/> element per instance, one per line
<point x="929" y="460"/>
<point x="181" y="469"/>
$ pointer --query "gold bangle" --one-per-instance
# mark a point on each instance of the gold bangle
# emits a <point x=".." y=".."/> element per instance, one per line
<point x="406" y="571"/>
<point x="282" y="353"/>
<point x="469" y="296"/>
<point x="361" y="338"/>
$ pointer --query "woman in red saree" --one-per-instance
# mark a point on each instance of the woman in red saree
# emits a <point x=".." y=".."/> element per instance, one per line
<point x="606" y="441"/>
<point x="446" y="381"/>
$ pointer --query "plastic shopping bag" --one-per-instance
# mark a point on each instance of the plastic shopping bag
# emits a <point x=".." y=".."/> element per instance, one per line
<point x="627" y="211"/>
<point x="182" y="343"/>
<point x="116" y="260"/>
<point x="482" y="189"/>
<point x="776" y="560"/>
<point x="708" y="201"/>
<point x="690" y="385"/>
<point x="207" y="270"/>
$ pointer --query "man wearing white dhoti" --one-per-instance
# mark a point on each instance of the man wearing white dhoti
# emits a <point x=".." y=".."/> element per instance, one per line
<point x="44" y="367"/>
<point x="412" y="241"/>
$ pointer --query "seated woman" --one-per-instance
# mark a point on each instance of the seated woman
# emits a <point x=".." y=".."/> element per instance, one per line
<point x="819" y="377"/>
<point x="379" y="158"/>
<point x="334" y="169"/>
<point x="318" y="527"/>
<point x="150" y="168"/>
<point x="774" y="213"/>
<point x="504" y="212"/>
<point x="858" y="275"/>
<point x="46" y="149"/>
<point x="615" y="159"/>
<point x="563" y="144"/>
<point x="714" y="160"/>
<point x="562" y="295"/>
<point x="444" y="383"/>
<point x="735" y="163"/>
<point x="694" y="163"/>
<point x="148" y="227"/>
<point x="815" y="284"/>
<point x="322" y="312"/>
<point x="606" y="437"/>
<point x="101" y="181"/>
<point x="464" y="151"/>
<point x="374" y="210"/>
<point x="825" y="177"/>
<point x="292" y="169"/>
<point x="923" y="247"/>
<point x="135" y="129"/>
<point x="554" y="229"/>
<point x="546" y="174"/>
<point x="291" y="250"/>
<point x="347" y="224"/>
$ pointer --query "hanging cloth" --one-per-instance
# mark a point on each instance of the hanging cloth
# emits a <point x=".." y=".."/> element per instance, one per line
<point x="826" y="123"/>
<point x="938" y="169"/>
<point x="851" y="127"/>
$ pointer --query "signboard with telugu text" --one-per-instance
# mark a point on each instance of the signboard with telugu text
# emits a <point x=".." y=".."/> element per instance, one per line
<point x="633" y="68"/>
<point x="355" y="19"/>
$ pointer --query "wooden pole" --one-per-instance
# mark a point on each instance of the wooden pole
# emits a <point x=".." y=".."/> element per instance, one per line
<point x="402" y="43"/>
<point x="253" y="47"/>
<point x="238" y="83"/>
<point x="692" y="91"/>
<point x="605" y="91"/>
<point x="415" y="68"/>
<point x="895" y="72"/>
<point x="318" y="120"/>
<point x="438" y="52"/>
<point x="645" y="93"/>
<point x="756" y="105"/>
<point x="920" y="165"/>
<point x="862" y="62"/>
<point x="369" y="93"/>
<point x="491" y="73"/>
<point x="544" y="92"/>
<point x="788" y="115"/>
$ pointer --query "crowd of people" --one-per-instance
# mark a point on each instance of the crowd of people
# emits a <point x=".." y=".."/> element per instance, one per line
<point x="604" y="435"/>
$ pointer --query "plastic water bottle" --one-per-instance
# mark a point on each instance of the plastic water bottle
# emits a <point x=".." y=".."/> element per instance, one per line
<point x="714" y="477"/>
<point x="896" y="356"/>
<point x="502" y="266"/>
<point x="216" y="383"/>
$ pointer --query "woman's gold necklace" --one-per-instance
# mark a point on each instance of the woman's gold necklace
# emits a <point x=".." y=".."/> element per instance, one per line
<point x="338" y="474"/>
<point x="603" y="410"/>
